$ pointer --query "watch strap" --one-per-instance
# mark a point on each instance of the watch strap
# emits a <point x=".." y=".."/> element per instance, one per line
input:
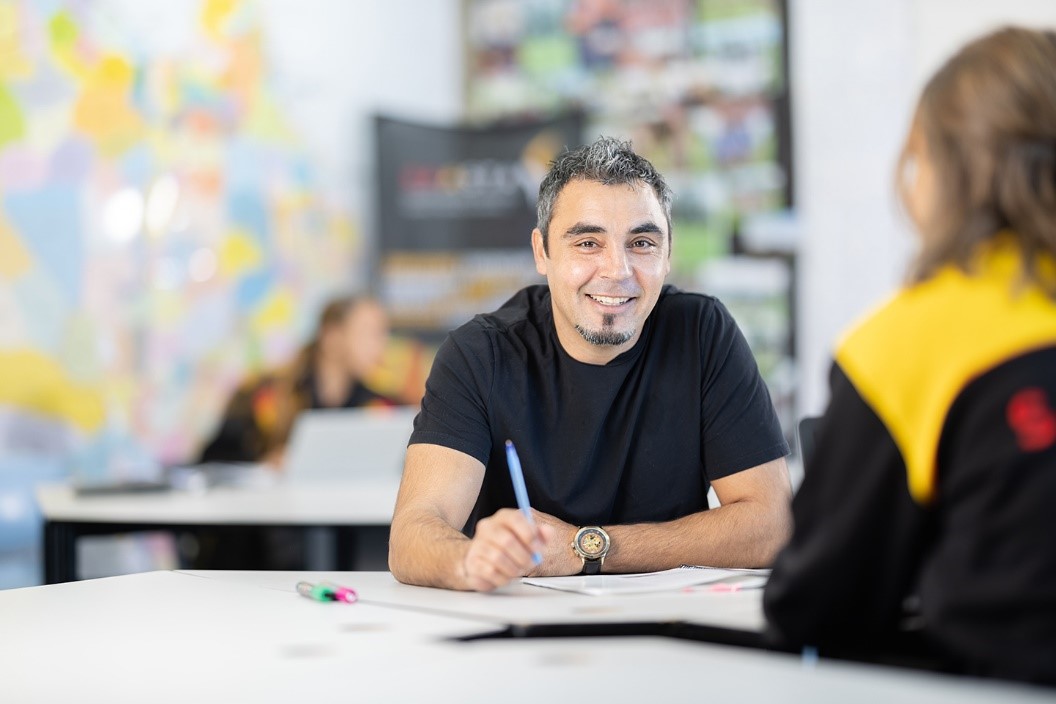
<point x="591" y="567"/>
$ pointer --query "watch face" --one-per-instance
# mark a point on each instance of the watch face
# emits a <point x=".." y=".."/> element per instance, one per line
<point x="592" y="542"/>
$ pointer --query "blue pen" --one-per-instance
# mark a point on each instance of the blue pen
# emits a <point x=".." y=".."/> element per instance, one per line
<point x="519" y="489"/>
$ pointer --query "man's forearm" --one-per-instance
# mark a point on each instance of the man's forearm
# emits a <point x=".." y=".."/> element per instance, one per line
<point x="426" y="551"/>
<point x="741" y="534"/>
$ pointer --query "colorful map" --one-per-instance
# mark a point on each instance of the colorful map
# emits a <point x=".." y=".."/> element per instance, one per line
<point x="160" y="229"/>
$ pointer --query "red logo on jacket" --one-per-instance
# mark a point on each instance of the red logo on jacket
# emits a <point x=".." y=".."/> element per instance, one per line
<point x="1032" y="419"/>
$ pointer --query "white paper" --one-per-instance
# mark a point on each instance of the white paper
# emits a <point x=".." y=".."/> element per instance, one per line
<point x="646" y="582"/>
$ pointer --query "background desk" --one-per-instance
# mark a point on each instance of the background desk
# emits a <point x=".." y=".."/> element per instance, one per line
<point x="177" y="637"/>
<point x="358" y="514"/>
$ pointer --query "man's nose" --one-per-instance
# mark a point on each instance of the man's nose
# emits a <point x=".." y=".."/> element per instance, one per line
<point x="617" y="264"/>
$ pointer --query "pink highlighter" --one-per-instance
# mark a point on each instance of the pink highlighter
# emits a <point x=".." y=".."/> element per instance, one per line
<point x="327" y="591"/>
<point x="340" y="593"/>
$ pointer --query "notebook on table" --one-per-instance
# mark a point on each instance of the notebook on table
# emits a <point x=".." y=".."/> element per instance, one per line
<point x="717" y="579"/>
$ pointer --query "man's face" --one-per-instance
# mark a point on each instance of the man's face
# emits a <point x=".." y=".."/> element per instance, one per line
<point x="609" y="256"/>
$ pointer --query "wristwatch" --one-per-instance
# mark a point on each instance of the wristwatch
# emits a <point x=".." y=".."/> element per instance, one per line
<point x="592" y="545"/>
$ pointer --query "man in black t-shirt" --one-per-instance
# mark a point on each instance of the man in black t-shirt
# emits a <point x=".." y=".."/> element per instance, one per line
<point x="626" y="399"/>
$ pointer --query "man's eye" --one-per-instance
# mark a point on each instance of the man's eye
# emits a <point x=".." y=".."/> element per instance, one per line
<point x="587" y="245"/>
<point x="640" y="244"/>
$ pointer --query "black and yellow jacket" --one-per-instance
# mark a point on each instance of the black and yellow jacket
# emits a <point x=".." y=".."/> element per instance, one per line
<point x="935" y="477"/>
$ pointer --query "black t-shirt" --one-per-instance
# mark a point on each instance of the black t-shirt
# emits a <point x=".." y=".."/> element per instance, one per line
<point x="638" y="439"/>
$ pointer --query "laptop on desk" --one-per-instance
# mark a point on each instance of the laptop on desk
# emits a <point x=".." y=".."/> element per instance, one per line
<point x="349" y="444"/>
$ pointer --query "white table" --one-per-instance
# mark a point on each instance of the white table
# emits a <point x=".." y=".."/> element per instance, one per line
<point x="67" y="516"/>
<point x="176" y="637"/>
<point x="526" y="606"/>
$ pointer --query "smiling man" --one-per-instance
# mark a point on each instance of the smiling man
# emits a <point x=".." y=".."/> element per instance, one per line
<point x="626" y="399"/>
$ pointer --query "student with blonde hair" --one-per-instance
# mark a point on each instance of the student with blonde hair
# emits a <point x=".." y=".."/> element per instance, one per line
<point x="933" y="482"/>
<point x="327" y="372"/>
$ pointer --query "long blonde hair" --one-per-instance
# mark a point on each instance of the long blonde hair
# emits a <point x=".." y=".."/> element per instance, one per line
<point x="987" y="120"/>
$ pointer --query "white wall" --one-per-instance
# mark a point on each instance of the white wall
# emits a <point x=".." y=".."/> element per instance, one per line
<point x="856" y="69"/>
<point x="942" y="26"/>
<point x="342" y="61"/>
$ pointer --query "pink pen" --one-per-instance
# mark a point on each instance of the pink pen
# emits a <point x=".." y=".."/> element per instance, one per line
<point x="725" y="588"/>
<point x="340" y="593"/>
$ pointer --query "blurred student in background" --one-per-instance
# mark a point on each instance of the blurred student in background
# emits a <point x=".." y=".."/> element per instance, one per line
<point x="328" y="372"/>
<point x="934" y="475"/>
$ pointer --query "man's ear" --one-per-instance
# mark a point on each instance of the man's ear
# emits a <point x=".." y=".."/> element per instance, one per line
<point x="538" y="251"/>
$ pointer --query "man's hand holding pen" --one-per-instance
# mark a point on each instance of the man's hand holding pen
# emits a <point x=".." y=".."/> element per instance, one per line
<point x="502" y="549"/>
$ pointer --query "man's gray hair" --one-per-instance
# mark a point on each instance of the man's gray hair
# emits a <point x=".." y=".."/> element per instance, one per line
<point x="608" y="161"/>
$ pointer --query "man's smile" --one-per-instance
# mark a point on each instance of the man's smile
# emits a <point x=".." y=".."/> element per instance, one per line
<point x="610" y="301"/>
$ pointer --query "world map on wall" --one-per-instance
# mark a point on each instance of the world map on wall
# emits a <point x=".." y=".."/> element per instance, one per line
<point x="160" y="228"/>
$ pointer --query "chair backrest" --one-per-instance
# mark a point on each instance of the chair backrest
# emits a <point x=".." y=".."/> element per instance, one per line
<point x="808" y="433"/>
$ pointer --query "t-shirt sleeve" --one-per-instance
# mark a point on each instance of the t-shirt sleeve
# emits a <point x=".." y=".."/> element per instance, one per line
<point x="740" y="427"/>
<point x="454" y="409"/>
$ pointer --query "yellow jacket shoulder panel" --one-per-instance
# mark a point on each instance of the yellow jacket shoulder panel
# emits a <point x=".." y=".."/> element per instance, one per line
<point x="912" y="358"/>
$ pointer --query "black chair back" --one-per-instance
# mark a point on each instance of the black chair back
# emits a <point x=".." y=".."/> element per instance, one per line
<point x="808" y="434"/>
